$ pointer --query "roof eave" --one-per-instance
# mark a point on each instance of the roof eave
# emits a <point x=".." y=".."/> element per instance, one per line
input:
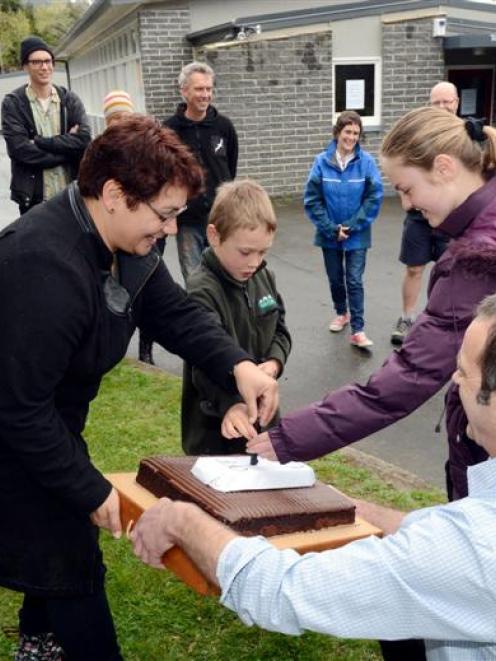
<point x="302" y="17"/>
<point x="461" y="41"/>
<point x="100" y="15"/>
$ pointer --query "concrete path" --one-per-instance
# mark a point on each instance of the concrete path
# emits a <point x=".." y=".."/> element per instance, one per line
<point x="322" y="361"/>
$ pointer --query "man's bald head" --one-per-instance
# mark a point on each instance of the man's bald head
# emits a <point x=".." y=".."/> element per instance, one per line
<point x="445" y="95"/>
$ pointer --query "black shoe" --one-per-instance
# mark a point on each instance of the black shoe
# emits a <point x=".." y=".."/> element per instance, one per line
<point x="145" y="351"/>
<point x="401" y="330"/>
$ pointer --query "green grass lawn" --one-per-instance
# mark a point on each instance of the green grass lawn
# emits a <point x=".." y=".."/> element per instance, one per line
<point x="158" y="618"/>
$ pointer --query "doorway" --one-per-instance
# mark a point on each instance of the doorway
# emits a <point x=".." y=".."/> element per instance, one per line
<point x="475" y="89"/>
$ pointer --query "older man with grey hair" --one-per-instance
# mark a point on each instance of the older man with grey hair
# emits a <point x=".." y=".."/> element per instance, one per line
<point x="212" y="138"/>
<point x="445" y="95"/>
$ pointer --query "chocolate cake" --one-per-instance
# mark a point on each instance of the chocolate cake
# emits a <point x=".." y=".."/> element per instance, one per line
<point x="269" y="512"/>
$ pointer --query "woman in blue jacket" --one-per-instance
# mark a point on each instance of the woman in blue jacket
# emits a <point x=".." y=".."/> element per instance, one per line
<point x="343" y="196"/>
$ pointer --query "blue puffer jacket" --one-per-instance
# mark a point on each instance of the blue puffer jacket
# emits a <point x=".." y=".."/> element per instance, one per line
<point x="351" y="197"/>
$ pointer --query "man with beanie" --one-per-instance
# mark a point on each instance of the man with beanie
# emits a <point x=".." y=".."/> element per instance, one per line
<point x="45" y="128"/>
<point x="213" y="140"/>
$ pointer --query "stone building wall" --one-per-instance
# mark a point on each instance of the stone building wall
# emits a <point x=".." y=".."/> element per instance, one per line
<point x="412" y="62"/>
<point x="278" y="92"/>
<point x="164" y="50"/>
<point x="278" y="95"/>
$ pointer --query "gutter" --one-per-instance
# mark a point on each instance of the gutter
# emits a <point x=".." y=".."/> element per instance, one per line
<point x="256" y="24"/>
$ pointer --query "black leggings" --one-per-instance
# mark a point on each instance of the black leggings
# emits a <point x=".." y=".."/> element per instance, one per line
<point x="82" y="625"/>
<point x="403" y="650"/>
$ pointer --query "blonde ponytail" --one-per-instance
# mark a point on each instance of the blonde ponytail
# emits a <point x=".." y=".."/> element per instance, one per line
<point x="420" y="135"/>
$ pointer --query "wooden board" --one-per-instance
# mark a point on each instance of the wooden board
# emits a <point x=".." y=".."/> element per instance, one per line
<point x="135" y="499"/>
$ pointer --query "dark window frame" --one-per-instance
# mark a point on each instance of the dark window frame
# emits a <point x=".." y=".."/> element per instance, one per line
<point x="368" y="69"/>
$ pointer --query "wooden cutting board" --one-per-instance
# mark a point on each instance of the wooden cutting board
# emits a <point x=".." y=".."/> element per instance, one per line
<point x="135" y="499"/>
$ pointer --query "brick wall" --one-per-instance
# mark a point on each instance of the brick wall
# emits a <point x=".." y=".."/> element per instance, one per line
<point x="412" y="63"/>
<point x="164" y="50"/>
<point x="278" y="95"/>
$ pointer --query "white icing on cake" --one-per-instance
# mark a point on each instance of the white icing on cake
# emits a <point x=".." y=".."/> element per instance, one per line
<point x="234" y="473"/>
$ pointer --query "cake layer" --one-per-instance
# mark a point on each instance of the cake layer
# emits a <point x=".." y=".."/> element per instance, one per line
<point x="270" y="512"/>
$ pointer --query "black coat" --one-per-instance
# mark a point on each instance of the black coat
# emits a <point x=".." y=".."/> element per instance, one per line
<point x="215" y="144"/>
<point x="31" y="153"/>
<point x="65" y="323"/>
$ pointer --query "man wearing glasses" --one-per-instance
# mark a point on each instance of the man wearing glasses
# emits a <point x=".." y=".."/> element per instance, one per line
<point x="45" y="128"/>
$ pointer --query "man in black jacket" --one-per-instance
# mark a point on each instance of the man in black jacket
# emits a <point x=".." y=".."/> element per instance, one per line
<point x="213" y="140"/>
<point x="45" y="128"/>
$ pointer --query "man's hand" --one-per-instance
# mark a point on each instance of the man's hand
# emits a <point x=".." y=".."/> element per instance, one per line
<point x="236" y="423"/>
<point x="174" y="523"/>
<point x="150" y="536"/>
<point x="271" y="367"/>
<point x="262" y="446"/>
<point x="343" y="233"/>
<point x="108" y="515"/>
<point x="74" y="129"/>
<point x="259" y="391"/>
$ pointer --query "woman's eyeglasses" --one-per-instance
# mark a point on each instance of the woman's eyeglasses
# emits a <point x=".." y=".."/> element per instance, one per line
<point x="166" y="216"/>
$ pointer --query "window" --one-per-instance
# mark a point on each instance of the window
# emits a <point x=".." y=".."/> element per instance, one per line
<point x="357" y="86"/>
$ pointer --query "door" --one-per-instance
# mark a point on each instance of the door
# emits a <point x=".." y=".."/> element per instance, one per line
<point x="475" y="89"/>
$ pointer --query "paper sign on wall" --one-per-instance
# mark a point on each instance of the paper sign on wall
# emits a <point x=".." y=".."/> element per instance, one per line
<point x="355" y="94"/>
<point x="468" y="104"/>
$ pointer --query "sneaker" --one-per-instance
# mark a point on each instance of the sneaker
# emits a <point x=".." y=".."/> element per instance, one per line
<point x="401" y="330"/>
<point x="339" y="323"/>
<point x="360" y="340"/>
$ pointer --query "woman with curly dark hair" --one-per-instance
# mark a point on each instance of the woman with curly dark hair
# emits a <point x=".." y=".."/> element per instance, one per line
<point x="79" y="274"/>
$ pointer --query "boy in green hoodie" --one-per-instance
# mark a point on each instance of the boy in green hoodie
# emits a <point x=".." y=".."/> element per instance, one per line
<point x="234" y="284"/>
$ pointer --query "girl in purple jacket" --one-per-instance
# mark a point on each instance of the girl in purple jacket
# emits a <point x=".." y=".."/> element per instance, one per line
<point x="442" y="165"/>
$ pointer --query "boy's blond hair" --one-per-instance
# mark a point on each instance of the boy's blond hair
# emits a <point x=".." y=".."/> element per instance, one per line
<point x="241" y="204"/>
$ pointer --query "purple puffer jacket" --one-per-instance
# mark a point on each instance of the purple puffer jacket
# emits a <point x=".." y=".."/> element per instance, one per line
<point x="465" y="273"/>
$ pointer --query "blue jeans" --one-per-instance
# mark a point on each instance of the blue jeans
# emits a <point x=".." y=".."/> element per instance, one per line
<point x="345" y="270"/>
<point x="191" y="242"/>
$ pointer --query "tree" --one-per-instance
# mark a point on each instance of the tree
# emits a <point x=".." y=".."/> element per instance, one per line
<point x="11" y="5"/>
<point x="52" y="21"/>
<point x="14" y="26"/>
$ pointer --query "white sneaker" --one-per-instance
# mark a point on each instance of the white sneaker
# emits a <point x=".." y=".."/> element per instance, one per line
<point x="339" y="323"/>
<point x="360" y="340"/>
